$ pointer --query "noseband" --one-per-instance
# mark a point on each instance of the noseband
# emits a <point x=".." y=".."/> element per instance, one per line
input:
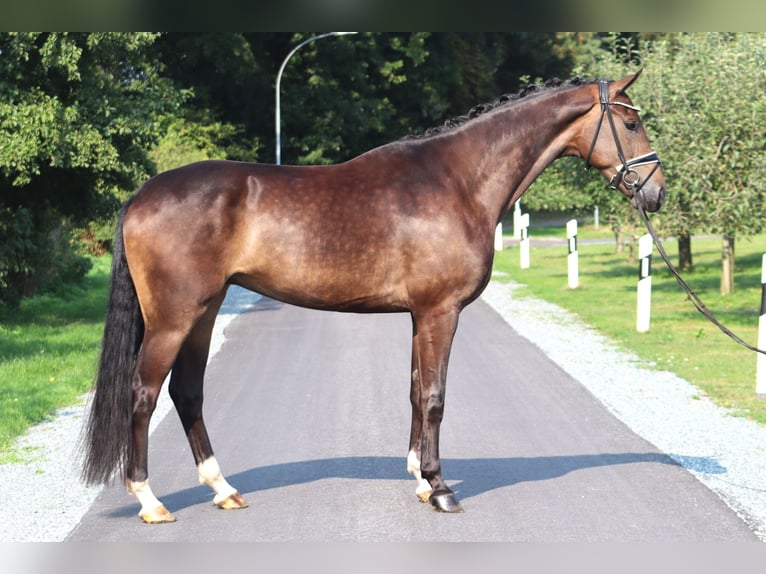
<point x="630" y="177"/>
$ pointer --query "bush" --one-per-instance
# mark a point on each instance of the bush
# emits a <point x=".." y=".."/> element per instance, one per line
<point x="36" y="256"/>
<point x="97" y="238"/>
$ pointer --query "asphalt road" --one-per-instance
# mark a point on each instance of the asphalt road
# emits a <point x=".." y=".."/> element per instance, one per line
<point x="309" y="411"/>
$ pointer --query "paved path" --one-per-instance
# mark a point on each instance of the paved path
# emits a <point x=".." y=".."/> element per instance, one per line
<point x="308" y="412"/>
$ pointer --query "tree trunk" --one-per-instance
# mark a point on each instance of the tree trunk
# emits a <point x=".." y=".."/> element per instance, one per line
<point x="633" y="247"/>
<point x="684" y="252"/>
<point x="619" y="241"/>
<point x="727" y="265"/>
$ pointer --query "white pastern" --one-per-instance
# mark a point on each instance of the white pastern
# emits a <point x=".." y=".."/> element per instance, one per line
<point x="210" y="475"/>
<point x="144" y="494"/>
<point x="423" y="490"/>
<point x="150" y="506"/>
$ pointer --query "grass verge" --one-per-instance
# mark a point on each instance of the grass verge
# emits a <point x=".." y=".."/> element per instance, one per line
<point x="680" y="340"/>
<point x="48" y="353"/>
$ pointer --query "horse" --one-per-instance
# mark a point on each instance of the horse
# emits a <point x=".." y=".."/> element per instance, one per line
<point x="418" y="215"/>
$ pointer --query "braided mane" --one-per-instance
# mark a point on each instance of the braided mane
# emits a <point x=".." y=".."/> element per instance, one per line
<point x="500" y="101"/>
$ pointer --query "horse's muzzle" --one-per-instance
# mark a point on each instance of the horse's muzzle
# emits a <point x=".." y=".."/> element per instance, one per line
<point x="649" y="197"/>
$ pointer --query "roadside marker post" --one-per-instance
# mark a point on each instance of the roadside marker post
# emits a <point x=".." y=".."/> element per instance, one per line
<point x="573" y="268"/>
<point x="644" y="308"/>
<point x="760" y="372"/>
<point x="499" y="237"/>
<point x="524" y="244"/>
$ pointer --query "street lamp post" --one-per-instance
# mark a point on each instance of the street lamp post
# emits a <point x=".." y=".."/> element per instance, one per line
<point x="277" y="119"/>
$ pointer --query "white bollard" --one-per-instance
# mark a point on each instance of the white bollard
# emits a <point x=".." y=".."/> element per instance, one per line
<point x="760" y="371"/>
<point x="499" y="237"/>
<point x="595" y="217"/>
<point x="644" y="308"/>
<point x="573" y="268"/>
<point x="524" y="244"/>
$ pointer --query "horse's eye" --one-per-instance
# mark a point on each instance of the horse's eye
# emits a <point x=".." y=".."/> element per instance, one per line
<point x="631" y="125"/>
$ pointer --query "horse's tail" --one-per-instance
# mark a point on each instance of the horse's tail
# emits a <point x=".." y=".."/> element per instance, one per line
<point x="108" y="438"/>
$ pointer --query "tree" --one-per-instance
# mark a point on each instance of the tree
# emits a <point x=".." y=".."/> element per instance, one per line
<point x="77" y="116"/>
<point x="344" y="95"/>
<point x="709" y="90"/>
<point x="703" y="97"/>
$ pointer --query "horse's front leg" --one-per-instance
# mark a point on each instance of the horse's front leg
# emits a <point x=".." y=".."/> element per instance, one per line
<point x="433" y="332"/>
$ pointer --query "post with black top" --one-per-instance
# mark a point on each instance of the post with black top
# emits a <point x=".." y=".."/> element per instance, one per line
<point x="573" y="268"/>
<point x="644" y="307"/>
<point x="760" y="372"/>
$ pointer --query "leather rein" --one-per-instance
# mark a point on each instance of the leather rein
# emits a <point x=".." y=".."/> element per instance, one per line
<point x="632" y="181"/>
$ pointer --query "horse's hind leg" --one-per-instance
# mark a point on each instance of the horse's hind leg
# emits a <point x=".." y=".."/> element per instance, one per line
<point x="186" y="390"/>
<point x="154" y="361"/>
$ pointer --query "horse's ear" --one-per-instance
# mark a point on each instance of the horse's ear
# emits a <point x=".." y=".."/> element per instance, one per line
<point x="622" y="85"/>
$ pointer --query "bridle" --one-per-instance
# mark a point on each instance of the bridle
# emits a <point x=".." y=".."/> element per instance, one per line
<point x="630" y="177"/>
<point x="632" y="180"/>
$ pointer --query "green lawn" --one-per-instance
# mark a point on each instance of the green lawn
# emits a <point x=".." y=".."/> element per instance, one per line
<point x="680" y="340"/>
<point x="48" y="353"/>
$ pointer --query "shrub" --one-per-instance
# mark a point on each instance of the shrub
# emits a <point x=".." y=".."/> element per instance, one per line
<point x="36" y="256"/>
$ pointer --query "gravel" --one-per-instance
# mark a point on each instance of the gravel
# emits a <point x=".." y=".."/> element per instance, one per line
<point x="724" y="452"/>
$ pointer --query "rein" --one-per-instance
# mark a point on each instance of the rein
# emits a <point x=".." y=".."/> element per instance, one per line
<point x="691" y="295"/>
<point x="632" y="180"/>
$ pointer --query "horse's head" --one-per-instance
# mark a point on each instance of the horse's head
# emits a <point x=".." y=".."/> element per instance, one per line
<point x="619" y="148"/>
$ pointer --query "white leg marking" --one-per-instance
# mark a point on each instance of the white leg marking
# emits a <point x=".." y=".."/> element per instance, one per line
<point x="423" y="491"/>
<point x="152" y="510"/>
<point x="210" y="475"/>
<point x="144" y="494"/>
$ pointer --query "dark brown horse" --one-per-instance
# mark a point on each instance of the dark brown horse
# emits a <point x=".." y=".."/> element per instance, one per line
<point x="406" y="227"/>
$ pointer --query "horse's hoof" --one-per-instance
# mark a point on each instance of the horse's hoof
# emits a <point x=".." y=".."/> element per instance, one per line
<point x="232" y="502"/>
<point x="445" y="502"/>
<point x="157" y="515"/>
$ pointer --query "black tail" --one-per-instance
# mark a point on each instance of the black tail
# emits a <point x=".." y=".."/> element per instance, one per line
<point x="108" y="439"/>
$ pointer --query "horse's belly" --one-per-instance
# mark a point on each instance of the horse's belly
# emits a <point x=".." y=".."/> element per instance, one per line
<point x="318" y="288"/>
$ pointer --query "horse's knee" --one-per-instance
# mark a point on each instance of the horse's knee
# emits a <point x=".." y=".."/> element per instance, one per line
<point x="434" y="409"/>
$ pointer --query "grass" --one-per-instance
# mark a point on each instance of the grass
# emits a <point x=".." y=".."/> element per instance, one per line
<point x="48" y="353"/>
<point x="680" y="340"/>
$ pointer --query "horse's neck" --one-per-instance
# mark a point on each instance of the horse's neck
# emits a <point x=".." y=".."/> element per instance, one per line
<point x="519" y="143"/>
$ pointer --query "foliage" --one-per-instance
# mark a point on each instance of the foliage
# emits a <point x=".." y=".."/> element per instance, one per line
<point x="342" y="96"/>
<point x="705" y="102"/>
<point x="36" y="254"/>
<point x="186" y="141"/>
<point x="78" y="113"/>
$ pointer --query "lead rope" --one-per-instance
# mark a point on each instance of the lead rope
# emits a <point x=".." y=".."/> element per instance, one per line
<point x="692" y="296"/>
